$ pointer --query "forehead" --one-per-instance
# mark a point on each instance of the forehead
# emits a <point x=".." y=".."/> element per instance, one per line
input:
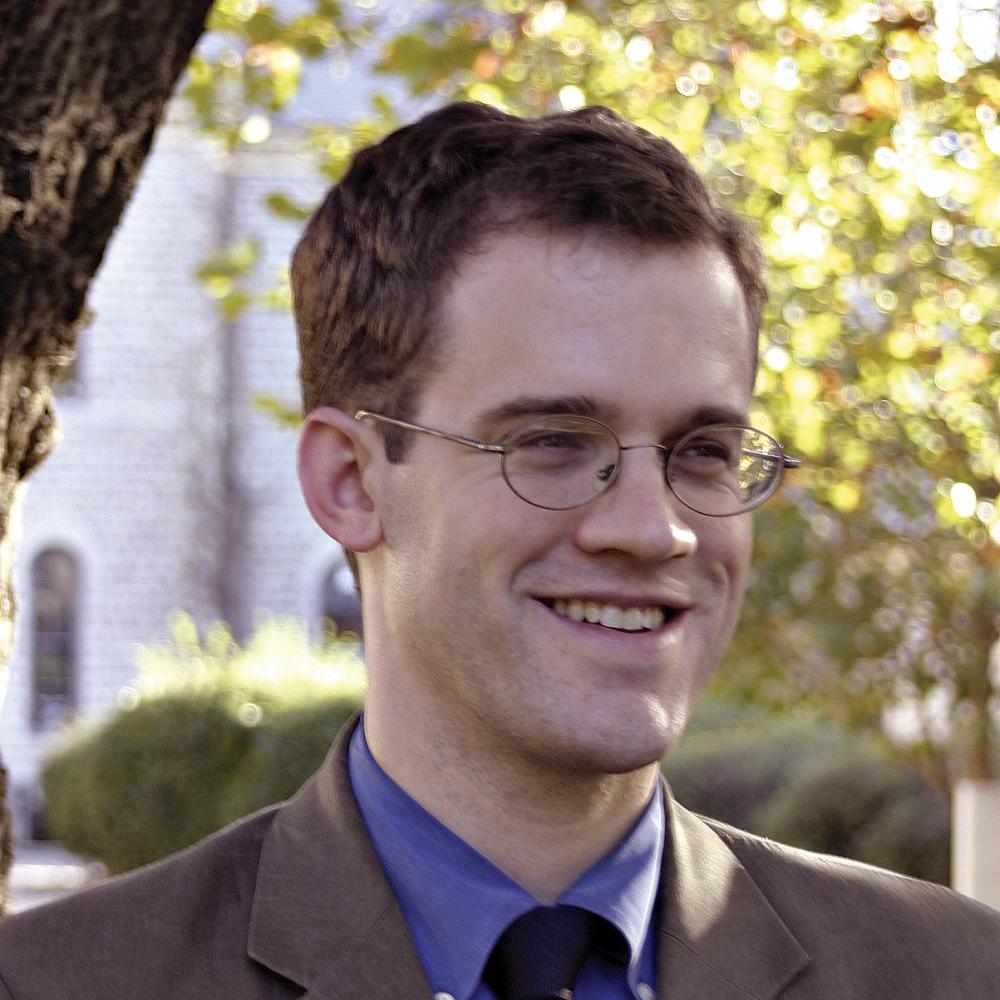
<point x="646" y="333"/>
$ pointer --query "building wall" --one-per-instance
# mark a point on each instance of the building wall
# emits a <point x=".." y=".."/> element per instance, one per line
<point x="286" y="553"/>
<point x="170" y="488"/>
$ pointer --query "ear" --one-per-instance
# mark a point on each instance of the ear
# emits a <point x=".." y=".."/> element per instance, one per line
<point x="334" y="449"/>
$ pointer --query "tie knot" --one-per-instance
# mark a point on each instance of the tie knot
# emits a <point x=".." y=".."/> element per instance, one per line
<point x="541" y="953"/>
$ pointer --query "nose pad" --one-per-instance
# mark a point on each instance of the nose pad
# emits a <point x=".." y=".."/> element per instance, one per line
<point x="636" y="515"/>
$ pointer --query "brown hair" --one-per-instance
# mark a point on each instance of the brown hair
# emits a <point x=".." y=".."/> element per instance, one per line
<point x="368" y="269"/>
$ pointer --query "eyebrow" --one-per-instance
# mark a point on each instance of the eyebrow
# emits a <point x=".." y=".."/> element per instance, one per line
<point x="705" y="415"/>
<point x="588" y="406"/>
<point x="543" y="406"/>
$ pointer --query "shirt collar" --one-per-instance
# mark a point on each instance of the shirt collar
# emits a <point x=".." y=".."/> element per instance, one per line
<point x="457" y="902"/>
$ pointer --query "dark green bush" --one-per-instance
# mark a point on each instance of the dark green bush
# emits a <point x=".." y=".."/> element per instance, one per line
<point x="811" y="786"/>
<point x="168" y="772"/>
<point x="146" y="784"/>
<point x="285" y="750"/>
<point x="212" y="731"/>
<point x="729" y="771"/>
<point x="860" y="805"/>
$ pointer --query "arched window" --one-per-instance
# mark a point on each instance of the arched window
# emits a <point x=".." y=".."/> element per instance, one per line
<point x="54" y="598"/>
<point x="339" y="604"/>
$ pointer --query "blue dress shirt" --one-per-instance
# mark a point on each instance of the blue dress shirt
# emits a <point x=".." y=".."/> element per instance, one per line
<point x="457" y="903"/>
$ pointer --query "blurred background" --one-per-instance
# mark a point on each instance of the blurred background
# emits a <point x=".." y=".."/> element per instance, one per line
<point x="188" y="641"/>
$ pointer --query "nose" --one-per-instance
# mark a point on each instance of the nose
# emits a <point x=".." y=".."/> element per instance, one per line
<point x="639" y="513"/>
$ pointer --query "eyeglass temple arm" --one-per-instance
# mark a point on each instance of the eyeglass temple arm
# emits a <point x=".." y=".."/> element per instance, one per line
<point x="406" y="425"/>
<point x="786" y="460"/>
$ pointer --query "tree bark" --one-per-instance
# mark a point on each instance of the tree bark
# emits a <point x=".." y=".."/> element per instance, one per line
<point x="83" y="86"/>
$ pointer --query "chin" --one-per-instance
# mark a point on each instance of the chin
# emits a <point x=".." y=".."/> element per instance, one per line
<point x="628" y="747"/>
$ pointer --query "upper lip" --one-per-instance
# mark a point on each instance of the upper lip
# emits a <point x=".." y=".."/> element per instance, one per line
<point x="674" y="599"/>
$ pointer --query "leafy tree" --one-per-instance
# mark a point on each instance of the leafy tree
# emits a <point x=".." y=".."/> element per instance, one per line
<point x="862" y="139"/>
<point x="82" y="88"/>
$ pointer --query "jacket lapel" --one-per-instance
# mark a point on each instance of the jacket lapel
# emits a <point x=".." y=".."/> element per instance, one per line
<point x="324" y="914"/>
<point x="719" y="937"/>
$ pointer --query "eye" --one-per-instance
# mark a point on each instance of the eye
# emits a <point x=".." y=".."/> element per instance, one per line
<point x="709" y="450"/>
<point x="554" y="440"/>
<point x="556" y="449"/>
<point x="708" y="455"/>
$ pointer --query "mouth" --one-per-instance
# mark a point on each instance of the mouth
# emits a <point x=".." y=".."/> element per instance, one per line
<point x="647" y="618"/>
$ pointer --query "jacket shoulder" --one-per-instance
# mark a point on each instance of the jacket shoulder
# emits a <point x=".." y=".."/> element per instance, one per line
<point x="178" y="919"/>
<point x="834" y="903"/>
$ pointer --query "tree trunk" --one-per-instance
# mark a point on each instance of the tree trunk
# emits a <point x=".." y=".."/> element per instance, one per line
<point x="83" y="85"/>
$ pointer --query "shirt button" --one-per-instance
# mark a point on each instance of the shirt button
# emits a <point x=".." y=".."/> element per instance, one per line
<point x="443" y="996"/>
<point x="645" y="992"/>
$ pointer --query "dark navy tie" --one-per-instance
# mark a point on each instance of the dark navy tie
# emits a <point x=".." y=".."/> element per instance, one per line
<point x="540" y="955"/>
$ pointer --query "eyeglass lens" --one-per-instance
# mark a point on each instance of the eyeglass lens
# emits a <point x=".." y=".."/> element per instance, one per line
<point x="565" y="461"/>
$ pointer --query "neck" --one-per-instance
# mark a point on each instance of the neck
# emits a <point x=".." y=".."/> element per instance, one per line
<point x="543" y="825"/>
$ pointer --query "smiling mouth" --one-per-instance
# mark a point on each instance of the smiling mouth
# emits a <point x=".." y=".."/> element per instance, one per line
<point x="612" y="616"/>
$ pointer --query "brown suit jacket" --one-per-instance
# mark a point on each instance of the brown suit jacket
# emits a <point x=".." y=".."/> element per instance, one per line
<point x="292" y="902"/>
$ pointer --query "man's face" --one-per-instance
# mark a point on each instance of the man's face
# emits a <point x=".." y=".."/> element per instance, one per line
<point x="468" y="573"/>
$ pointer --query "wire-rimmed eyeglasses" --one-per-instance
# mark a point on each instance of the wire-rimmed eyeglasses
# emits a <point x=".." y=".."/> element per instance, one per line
<point x="565" y="461"/>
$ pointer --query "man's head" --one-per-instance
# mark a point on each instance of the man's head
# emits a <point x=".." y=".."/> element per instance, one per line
<point x="475" y="271"/>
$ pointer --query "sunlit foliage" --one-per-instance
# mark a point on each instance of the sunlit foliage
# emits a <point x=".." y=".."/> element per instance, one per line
<point x="251" y="66"/>
<point x="279" y="667"/>
<point x="863" y="141"/>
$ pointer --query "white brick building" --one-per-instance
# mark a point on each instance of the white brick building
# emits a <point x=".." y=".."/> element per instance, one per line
<point x="170" y="489"/>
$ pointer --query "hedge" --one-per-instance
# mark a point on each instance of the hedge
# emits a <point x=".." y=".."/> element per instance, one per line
<point x="815" y="787"/>
<point x="208" y="732"/>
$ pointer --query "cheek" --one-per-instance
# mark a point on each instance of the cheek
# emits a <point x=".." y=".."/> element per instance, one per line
<point x="464" y="537"/>
<point x="412" y="551"/>
<point x="743" y="548"/>
<point x="727" y="550"/>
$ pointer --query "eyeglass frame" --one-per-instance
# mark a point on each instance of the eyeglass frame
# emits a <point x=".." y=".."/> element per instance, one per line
<point x="502" y="447"/>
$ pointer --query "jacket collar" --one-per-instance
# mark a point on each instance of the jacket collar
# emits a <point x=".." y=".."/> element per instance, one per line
<point x="325" y="916"/>
<point x="720" y="939"/>
<point x="323" y="913"/>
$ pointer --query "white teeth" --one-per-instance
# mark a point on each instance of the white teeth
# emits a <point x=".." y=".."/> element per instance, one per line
<point x="611" y="615"/>
<point x="571" y="609"/>
<point x="632" y="620"/>
<point x="652" y="617"/>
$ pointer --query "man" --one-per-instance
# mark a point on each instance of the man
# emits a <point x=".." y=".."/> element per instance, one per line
<point x="528" y="350"/>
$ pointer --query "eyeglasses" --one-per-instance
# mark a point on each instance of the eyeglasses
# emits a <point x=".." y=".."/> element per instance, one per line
<point x="565" y="461"/>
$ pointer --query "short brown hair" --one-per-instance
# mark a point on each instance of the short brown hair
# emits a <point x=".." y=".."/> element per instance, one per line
<point x="366" y="273"/>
